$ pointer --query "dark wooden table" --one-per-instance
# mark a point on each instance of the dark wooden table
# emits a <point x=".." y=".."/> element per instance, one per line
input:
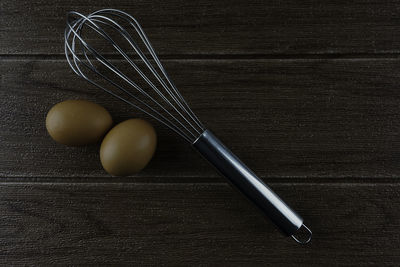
<point x="305" y="92"/>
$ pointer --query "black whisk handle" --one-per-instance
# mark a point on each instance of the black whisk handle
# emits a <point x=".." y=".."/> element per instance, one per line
<point x="286" y="219"/>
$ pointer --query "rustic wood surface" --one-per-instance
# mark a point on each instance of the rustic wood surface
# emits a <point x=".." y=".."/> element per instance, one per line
<point x="286" y="118"/>
<point x="305" y="92"/>
<point x="193" y="224"/>
<point x="205" y="27"/>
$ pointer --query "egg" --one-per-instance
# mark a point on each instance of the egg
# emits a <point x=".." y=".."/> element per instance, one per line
<point x="128" y="147"/>
<point x="78" y="122"/>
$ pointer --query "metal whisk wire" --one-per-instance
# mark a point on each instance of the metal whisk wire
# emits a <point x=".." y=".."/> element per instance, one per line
<point x="180" y="118"/>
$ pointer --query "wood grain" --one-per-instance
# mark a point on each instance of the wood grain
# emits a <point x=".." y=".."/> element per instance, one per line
<point x="305" y="92"/>
<point x="194" y="224"/>
<point x="205" y="27"/>
<point x="285" y="118"/>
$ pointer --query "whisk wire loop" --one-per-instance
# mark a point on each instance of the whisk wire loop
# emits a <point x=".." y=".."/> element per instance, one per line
<point x="182" y="119"/>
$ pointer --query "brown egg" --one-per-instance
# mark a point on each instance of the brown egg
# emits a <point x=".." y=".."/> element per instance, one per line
<point x="128" y="147"/>
<point x="77" y="122"/>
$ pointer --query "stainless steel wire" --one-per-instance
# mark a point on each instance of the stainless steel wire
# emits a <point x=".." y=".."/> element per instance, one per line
<point x="155" y="95"/>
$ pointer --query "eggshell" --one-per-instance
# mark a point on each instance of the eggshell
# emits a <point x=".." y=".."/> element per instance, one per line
<point x="128" y="147"/>
<point x="77" y="122"/>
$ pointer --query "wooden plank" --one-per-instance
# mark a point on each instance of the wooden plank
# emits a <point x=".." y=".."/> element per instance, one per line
<point x="194" y="224"/>
<point x="285" y="118"/>
<point x="217" y="27"/>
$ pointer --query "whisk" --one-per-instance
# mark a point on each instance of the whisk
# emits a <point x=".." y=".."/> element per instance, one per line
<point x="109" y="49"/>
